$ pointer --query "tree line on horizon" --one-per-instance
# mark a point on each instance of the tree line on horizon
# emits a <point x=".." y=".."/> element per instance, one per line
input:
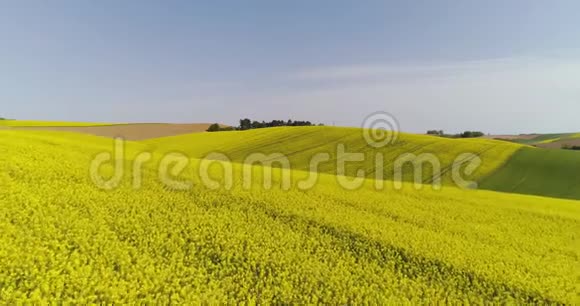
<point x="570" y="147"/>
<point x="466" y="134"/>
<point x="247" y="124"/>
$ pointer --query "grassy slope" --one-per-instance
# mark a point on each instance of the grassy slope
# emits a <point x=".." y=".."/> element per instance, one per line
<point x="301" y="143"/>
<point x="554" y="173"/>
<point x="65" y="240"/>
<point x="35" y="123"/>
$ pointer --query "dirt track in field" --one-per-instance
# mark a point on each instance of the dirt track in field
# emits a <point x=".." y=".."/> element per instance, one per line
<point x="137" y="131"/>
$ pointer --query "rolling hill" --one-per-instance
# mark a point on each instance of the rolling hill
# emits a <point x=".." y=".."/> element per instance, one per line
<point x="66" y="240"/>
<point x="506" y="167"/>
<point x="300" y="144"/>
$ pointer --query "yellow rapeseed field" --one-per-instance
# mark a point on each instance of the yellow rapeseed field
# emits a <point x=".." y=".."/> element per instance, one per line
<point x="65" y="240"/>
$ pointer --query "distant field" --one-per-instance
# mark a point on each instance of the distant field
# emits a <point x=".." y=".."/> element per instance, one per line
<point x="132" y="131"/>
<point x="543" y="138"/>
<point x="33" y="123"/>
<point x="567" y="139"/>
<point x="63" y="240"/>
<point x="551" y="141"/>
<point x="515" y="138"/>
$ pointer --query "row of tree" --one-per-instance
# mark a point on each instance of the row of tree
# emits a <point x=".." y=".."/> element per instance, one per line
<point x="570" y="147"/>
<point x="466" y="134"/>
<point x="247" y="124"/>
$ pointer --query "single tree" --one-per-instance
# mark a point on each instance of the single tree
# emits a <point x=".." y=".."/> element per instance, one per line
<point x="245" y="124"/>
<point x="214" y="128"/>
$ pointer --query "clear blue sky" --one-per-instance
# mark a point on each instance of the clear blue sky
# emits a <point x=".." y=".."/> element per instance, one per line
<point x="498" y="66"/>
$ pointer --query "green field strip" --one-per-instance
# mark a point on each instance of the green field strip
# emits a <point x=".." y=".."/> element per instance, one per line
<point x="543" y="172"/>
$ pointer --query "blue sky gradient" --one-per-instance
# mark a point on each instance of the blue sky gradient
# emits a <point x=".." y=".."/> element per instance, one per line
<point x="496" y="66"/>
